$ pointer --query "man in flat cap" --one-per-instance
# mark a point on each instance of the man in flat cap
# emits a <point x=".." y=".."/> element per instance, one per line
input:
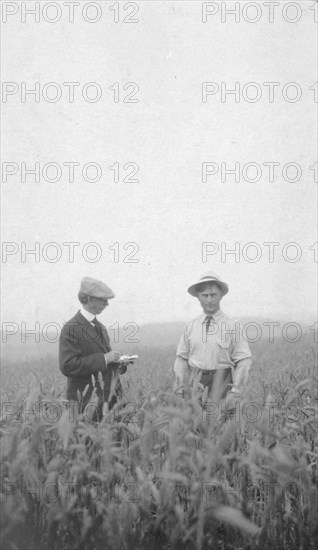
<point x="212" y="346"/>
<point x="85" y="351"/>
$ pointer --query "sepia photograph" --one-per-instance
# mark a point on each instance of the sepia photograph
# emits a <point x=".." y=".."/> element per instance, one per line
<point x="159" y="249"/>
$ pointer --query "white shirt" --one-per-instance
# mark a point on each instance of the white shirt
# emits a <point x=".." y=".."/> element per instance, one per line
<point x="222" y="346"/>
<point x="88" y="316"/>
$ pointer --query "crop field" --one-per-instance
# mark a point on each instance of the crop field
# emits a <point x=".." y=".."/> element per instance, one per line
<point x="162" y="472"/>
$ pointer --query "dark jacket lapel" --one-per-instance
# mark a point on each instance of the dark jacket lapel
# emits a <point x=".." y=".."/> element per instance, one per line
<point x="102" y="339"/>
<point x="105" y="337"/>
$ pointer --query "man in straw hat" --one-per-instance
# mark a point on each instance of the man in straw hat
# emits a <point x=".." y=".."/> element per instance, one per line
<point x="212" y="346"/>
<point x="85" y="351"/>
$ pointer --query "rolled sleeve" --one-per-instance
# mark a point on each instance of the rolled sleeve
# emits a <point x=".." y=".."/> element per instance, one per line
<point x="241" y="373"/>
<point x="183" y="349"/>
<point x="242" y="358"/>
<point x="181" y="366"/>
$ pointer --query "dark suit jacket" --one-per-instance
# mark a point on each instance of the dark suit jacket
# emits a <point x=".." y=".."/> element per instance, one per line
<point x="81" y="353"/>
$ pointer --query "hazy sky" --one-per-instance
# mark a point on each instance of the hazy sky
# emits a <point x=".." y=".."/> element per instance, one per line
<point x="168" y="134"/>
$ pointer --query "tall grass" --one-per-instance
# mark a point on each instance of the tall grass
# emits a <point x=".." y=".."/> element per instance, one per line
<point x="161" y="472"/>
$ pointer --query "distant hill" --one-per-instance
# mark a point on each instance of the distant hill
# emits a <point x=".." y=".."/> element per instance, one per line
<point x="155" y="335"/>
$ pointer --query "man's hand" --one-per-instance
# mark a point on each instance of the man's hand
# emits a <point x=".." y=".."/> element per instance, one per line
<point x="112" y="357"/>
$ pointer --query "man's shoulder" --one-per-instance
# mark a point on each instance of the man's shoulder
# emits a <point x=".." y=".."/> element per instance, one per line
<point x="77" y="317"/>
<point x="76" y="320"/>
<point x="193" y="322"/>
<point x="228" y="321"/>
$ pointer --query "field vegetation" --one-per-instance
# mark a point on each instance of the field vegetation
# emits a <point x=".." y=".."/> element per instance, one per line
<point x="163" y="472"/>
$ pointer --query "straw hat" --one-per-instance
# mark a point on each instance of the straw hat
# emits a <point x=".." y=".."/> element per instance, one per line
<point x="208" y="277"/>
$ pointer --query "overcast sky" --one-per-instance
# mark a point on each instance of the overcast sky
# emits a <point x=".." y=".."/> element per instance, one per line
<point x="168" y="134"/>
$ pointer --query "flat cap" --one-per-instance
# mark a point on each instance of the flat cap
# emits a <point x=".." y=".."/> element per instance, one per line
<point x="98" y="289"/>
<point x="209" y="277"/>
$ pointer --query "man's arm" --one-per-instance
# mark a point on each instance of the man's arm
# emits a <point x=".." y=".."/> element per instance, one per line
<point x="72" y="363"/>
<point x="240" y="375"/>
<point x="181" y="365"/>
<point x="111" y="357"/>
<point x="241" y="356"/>
<point x="181" y="371"/>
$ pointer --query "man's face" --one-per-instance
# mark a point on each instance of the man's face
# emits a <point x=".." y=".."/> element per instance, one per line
<point x="96" y="305"/>
<point x="210" y="298"/>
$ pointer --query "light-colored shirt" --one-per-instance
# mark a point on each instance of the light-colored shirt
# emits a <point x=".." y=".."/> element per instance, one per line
<point x="88" y="316"/>
<point x="221" y="346"/>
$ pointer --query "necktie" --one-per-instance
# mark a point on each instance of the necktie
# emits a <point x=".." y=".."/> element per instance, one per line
<point x="97" y="326"/>
<point x="103" y="336"/>
<point x="208" y="321"/>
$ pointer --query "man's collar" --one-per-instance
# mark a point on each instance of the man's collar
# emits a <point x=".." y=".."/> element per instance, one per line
<point x="216" y="316"/>
<point x="88" y="316"/>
